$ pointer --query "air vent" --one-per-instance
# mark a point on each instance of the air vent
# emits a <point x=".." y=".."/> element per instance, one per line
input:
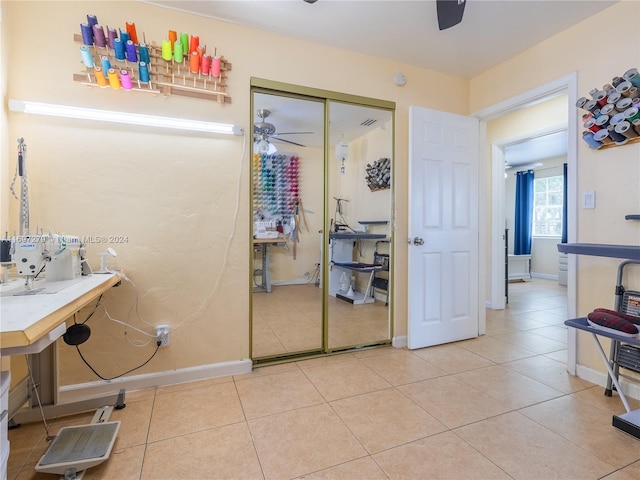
<point x="368" y="122"/>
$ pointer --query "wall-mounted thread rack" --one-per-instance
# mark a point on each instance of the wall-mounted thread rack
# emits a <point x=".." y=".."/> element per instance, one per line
<point x="612" y="114"/>
<point x="165" y="77"/>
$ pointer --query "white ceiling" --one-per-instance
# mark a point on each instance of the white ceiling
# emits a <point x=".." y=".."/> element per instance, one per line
<point x="492" y="31"/>
<point x="407" y="31"/>
<point x="536" y="149"/>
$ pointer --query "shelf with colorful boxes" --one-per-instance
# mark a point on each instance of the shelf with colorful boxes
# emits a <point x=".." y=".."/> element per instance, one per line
<point x="179" y="66"/>
<point x="612" y="115"/>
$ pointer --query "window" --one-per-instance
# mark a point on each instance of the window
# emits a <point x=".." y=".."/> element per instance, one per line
<point x="547" y="207"/>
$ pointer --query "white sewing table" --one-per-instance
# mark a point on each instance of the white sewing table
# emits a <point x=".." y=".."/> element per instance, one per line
<point x="31" y="323"/>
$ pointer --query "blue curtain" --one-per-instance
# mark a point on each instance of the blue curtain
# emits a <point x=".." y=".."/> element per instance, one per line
<point x="564" y="203"/>
<point x="524" y="213"/>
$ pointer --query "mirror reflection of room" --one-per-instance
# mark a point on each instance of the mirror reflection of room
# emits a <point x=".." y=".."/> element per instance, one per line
<point x="287" y="173"/>
<point x="360" y="225"/>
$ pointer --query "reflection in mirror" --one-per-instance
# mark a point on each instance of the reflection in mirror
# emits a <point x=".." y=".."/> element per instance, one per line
<point x="360" y="200"/>
<point x="288" y="204"/>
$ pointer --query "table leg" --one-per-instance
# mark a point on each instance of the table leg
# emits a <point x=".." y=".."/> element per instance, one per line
<point x="613" y="377"/>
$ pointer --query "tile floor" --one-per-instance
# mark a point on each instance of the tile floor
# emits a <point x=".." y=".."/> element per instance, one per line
<point x="497" y="407"/>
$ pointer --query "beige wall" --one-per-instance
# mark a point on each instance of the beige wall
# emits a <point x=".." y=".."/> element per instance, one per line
<point x="614" y="173"/>
<point x="174" y="194"/>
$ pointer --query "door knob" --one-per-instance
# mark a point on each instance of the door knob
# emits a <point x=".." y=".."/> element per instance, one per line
<point x="418" y="241"/>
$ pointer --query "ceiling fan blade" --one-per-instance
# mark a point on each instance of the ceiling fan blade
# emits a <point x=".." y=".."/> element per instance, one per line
<point x="291" y="133"/>
<point x="449" y="12"/>
<point x="286" y="141"/>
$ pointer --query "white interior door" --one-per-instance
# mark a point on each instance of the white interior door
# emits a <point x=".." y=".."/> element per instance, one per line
<point x="443" y="227"/>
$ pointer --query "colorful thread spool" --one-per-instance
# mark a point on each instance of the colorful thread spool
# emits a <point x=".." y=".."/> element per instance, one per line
<point x="143" y="50"/>
<point x="124" y="36"/>
<point x="581" y="102"/>
<point x="173" y="36"/>
<point x="616" y="119"/>
<point x="614" y="98"/>
<point x="631" y="114"/>
<point x="625" y="129"/>
<point x="634" y="92"/>
<point x="194" y="62"/>
<point x="131" y="30"/>
<point x="125" y="79"/>
<point x="118" y="47"/>
<point x="143" y="72"/>
<point x="131" y="52"/>
<point x="215" y="67"/>
<point x="100" y="78"/>
<point x="636" y="126"/>
<point x="114" y="81"/>
<point x="601" y="97"/>
<point x="92" y="19"/>
<point x="615" y="136"/>
<point x="194" y="43"/>
<point x="591" y="125"/>
<point x="609" y="109"/>
<point x="205" y="64"/>
<point x="201" y="50"/>
<point x="623" y="104"/>
<point x="603" y="137"/>
<point x="623" y="88"/>
<point x="166" y="50"/>
<point x="112" y="33"/>
<point x="98" y="36"/>
<point x="587" y="136"/>
<point x="87" y="33"/>
<point x="602" y="121"/>
<point x="632" y="76"/>
<point x="184" y="40"/>
<point x="617" y="81"/>
<point x="87" y="57"/>
<point x="106" y="64"/>
<point x="178" y="54"/>
<point x="591" y="106"/>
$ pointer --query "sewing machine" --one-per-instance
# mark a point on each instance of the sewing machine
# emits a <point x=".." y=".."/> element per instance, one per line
<point x="59" y="255"/>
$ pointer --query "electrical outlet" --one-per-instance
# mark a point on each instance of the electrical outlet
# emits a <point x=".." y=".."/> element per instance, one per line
<point x="162" y="335"/>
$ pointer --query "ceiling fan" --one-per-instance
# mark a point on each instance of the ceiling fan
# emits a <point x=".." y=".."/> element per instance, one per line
<point x="449" y="12"/>
<point x="264" y="131"/>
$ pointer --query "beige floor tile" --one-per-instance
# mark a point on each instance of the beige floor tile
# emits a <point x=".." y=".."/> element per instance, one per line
<point x="550" y="372"/>
<point x="442" y="456"/>
<point x="266" y="395"/>
<point x="326" y="360"/>
<point x="219" y="453"/>
<point x="526" y="450"/>
<point x="302" y="441"/>
<point x="559" y="333"/>
<point x="587" y="426"/>
<point x="402" y="366"/>
<point x="532" y="342"/>
<point x="362" y="468"/>
<point x="122" y="463"/>
<point x="181" y="387"/>
<point x="452" y="358"/>
<point x="345" y="379"/>
<point x="508" y="386"/>
<point x="497" y="351"/>
<point x="193" y="410"/>
<point x="595" y="396"/>
<point x="259" y="371"/>
<point x="452" y="401"/>
<point x="385" y="419"/>
<point x="135" y="419"/>
<point x="632" y="472"/>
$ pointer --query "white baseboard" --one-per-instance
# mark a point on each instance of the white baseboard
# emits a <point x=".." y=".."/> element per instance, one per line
<point x="545" y="276"/>
<point x="400" y="341"/>
<point x="630" y="389"/>
<point x="85" y="391"/>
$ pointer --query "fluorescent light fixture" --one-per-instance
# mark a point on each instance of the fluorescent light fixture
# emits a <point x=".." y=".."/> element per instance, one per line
<point x="123" y="117"/>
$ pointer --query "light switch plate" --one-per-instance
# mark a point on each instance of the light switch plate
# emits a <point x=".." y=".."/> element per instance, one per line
<point x="589" y="199"/>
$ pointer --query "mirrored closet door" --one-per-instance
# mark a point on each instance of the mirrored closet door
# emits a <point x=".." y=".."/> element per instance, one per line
<point x="322" y="208"/>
